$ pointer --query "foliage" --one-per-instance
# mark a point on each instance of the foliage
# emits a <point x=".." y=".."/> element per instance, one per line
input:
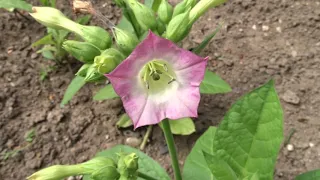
<point x="15" y="4"/>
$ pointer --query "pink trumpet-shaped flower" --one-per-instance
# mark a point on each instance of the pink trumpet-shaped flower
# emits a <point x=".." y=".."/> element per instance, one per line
<point x="159" y="80"/>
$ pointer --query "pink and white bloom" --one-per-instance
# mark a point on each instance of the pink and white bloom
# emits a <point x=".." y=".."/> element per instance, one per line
<point x="159" y="80"/>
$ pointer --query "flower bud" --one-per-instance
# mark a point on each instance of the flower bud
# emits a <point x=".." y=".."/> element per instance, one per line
<point x="144" y="15"/>
<point x="83" y="70"/>
<point x="161" y="28"/>
<point x="202" y="7"/>
<point x="51" y="17"/>
<point x="183" y="6"/>
<point x="108" y="60"/>
<point x="96" y="36"/>
<point x="54" y="18"/>
<point x="179" y="27"/>
<point x="82" y="51"/>
<point x="62" y="171"/>
<point x="128" y="166"/>
<point x="165" y="11"/>
<point x="125" y="40"/>
<point x="93" y="74"/>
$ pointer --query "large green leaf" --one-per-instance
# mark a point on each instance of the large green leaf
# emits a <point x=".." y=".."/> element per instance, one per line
<point x="311" y="175"/>
<point x="146" y="164"/>
<point x="249" y="136"/>
<point x="213" y="84"/>
<point x="219" y="168"/>
<point x="17" y="4"/>
<point x="105" y="93"/>
<point x="195" y="166"/>
<point x="183" y="126"/>
<point x="75" y="85"/>
<point x="206" y="41"/>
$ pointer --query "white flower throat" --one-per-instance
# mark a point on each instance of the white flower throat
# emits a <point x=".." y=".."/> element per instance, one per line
<point x="157" y="75"/>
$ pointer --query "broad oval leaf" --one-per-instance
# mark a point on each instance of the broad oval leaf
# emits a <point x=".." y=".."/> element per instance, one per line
<point x="75" y="85"/>
<point x="17" y="4"/>
<point x="195" y="166"/>
<point x="146" y="164"/>
<point x="105" y="93"/>
<point x="219" y="168"/>
<point x="311" y="175"/>
<point x="249" y="136"/>
<point x="183" y="126"/>
<point x="213" y="84"/>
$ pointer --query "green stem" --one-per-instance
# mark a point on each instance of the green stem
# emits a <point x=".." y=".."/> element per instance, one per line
<point x="145" y="176"/>
<point x="172" y="149"/>
<point x="145" y="138"/>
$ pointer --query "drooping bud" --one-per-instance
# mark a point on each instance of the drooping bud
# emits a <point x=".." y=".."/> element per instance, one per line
<point x="54" y="18"/>
<point x="179" y="27"/>
<point x="82" y="51"/>
<point x="125" y="40"/>
<point x="183" y="6"/>
<point x="108" y="60"/>
<point x="106" y="172"/>
<point x="201" y="7"/>
<point x="165" y="11"/>
<point x="83" y="70"/>
<point x="128" y="166"/>
<point x="144" y="15"/>
<point x="93" y="74"/>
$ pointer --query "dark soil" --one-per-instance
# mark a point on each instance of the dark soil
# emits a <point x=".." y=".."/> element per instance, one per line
<point x="259" y="40"/>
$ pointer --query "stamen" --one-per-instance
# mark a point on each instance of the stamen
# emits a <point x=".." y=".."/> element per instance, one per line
<point x="171" y="81"/>
<point x="164" y="66"/>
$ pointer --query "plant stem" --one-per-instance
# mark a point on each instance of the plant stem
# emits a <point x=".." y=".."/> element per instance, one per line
<point x="172" y="149"/>
<point x="145" y="176"/>
<point x="145" y="138"/>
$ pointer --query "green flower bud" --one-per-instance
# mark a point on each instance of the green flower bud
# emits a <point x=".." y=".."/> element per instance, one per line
<point x="125" y="40"/>
<point x="128" y="166"/>
<point x="161" y="27"/>
<point x="51" y="17"/>
<point x="179" y="27"/>
<point x="165" y="11"/>
<point x="61" y="171"/>
<point x="183" y="6"/>
<point x="95" y="35"/>
<point x="202" y="7"/>
<point x="54" y="18"/>
<point x="108" y="60"/>
<point x="93" y="75"/>
<point x="144" y="15"/>
<point x="82" y="51"/>
<point x="83" y="70"/>
<point x="107" y="173"/>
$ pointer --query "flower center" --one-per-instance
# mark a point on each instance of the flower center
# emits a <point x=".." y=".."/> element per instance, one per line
<point x="157" y="75"/>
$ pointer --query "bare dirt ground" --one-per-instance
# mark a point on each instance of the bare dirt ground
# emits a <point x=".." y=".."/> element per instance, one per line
<point x="259" y="40"/>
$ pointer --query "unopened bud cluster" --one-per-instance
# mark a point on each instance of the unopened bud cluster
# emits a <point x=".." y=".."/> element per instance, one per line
<point x="96" y="50"/>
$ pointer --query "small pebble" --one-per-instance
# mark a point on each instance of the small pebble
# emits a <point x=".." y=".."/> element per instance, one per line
<point x="311" y="144"/>
<point x="294" y="53"/>
<point x="291" y="97"/>
<point x="254" y="27"/>
<point x="290" y="147"/>
<point x="279" y="29"/>
<point x="240" y="30"/>
<point x="265" y="28"/>
<point x="71" y="178"/>
<point x="34" y="55"/>
<point x="133" y="141"/>
<point x="107" y="136"/>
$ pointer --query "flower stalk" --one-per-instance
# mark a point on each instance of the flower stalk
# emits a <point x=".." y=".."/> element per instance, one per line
<point x="172" y="149"/>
